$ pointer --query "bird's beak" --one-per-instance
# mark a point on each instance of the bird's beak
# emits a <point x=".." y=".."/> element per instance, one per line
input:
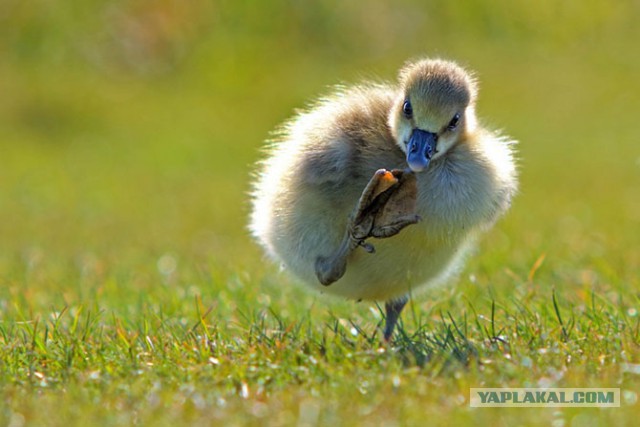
<point x="421" y="146"/>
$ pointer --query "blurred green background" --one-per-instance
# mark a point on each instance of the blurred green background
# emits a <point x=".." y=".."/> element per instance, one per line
<point x="128" y="129"/>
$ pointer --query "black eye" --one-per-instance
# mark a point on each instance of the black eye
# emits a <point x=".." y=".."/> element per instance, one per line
<point x="454" y="122"/>
<point x="407" y="109"/>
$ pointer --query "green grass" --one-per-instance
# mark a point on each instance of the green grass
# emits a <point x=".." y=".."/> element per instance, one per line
<point x="131" y="293"/>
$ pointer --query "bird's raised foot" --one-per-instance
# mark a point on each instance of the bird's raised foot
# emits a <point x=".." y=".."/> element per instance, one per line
<point x="375" y="194"/>
<point x="385" y="207"/>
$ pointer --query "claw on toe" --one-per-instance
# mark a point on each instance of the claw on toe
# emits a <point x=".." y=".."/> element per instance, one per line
<point x="385" y="182"/>
<point x="368" y="247"/>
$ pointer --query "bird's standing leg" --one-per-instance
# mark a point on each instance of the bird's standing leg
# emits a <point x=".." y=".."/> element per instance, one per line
<point x="393" y="308"/>
<point x="386" y="206"/>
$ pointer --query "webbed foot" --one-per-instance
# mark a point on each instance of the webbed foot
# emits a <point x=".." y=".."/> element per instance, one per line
<point x="385" y="207"/>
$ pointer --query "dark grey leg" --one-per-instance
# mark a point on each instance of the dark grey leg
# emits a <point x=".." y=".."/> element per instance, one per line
<point x="393" y="309"/>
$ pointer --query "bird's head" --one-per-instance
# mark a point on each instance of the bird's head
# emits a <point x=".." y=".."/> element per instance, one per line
<point x="434" y="110"/>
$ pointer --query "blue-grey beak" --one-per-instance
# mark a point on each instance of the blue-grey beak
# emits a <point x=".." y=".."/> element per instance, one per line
<point x="421" y="146"/>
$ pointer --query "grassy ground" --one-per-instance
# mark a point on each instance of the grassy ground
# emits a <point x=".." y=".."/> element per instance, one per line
<point x="130" y="292"/>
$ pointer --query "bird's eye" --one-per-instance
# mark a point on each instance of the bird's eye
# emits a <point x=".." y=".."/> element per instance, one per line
<point x="407" y="109"/>
<point x="453" y="124"/>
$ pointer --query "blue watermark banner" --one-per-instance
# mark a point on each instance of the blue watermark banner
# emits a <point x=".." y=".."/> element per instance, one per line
<point x="545" y="397"/>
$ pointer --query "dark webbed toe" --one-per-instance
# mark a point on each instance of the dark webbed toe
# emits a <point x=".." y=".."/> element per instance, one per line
<point x="392" y="207"/>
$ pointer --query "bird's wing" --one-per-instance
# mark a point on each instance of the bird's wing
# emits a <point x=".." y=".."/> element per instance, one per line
<point x="330" y="162"/>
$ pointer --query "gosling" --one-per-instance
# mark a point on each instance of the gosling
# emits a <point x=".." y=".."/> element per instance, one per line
<point x="379" y="190"/>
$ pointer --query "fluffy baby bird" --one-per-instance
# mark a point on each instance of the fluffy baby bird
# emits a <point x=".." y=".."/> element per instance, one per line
<point x="380" y="190"/>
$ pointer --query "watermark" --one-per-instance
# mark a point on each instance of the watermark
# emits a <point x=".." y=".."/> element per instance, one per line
<point x="545" y="397"/>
